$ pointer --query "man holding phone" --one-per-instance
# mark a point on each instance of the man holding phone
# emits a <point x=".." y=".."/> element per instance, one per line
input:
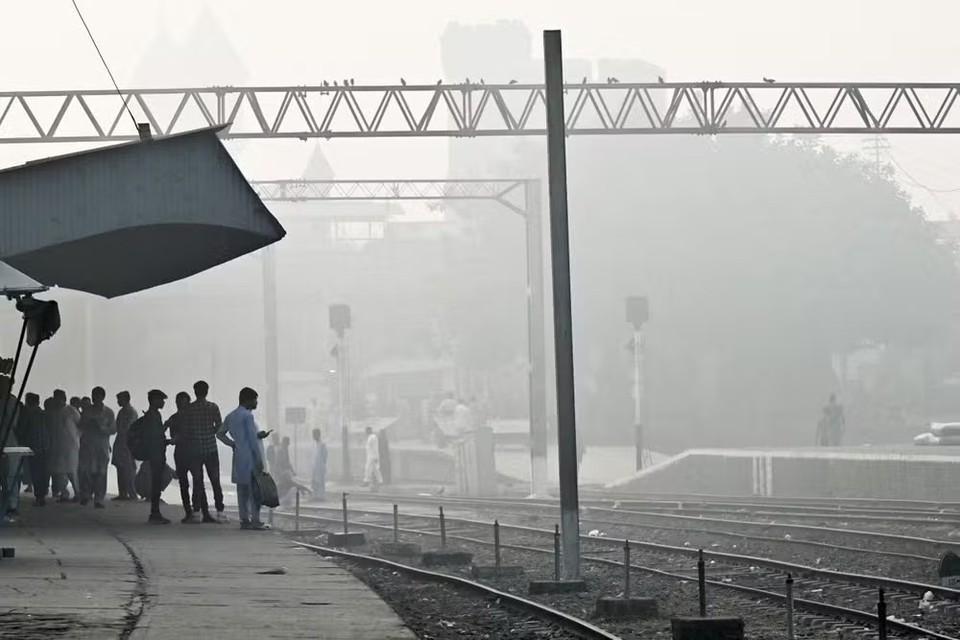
<point x="239" y="432"/>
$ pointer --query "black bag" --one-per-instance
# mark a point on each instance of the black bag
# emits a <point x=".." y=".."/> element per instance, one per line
<point x="137" y="440"/>
<point x="141" y="482"/>
<point x="265" y="489"/>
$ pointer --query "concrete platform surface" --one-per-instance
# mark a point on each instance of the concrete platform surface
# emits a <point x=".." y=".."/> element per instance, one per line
<point x="85" y="573"/>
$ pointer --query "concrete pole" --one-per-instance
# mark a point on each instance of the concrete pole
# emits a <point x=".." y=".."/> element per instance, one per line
<point x="270" y="339"/>
<point x="638" y="394"/>
<point x="344" y="417"/>
<point x="537" y="379"/>
<point x="562" y="320"/>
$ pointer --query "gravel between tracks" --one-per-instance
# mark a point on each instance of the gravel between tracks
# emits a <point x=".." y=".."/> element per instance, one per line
<point x="764" y="621"/>
<point x="443" y="612"/>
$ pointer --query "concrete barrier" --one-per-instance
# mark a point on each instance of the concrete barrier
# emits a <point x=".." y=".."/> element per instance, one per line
<point x="910" y="473"/>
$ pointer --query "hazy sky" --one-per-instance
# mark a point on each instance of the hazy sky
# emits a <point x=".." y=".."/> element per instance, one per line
<point x="43" y="46"/>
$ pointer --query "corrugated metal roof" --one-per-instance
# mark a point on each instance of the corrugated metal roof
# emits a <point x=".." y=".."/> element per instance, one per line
<point x="129" y="217"/>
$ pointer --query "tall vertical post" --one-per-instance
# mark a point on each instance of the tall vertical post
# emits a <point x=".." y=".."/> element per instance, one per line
<point x="702" y="584"/>
<point x="396" y="524"/>
<point x="638" y="312"/>
<point x="343" y="401"/>
<point x="536" y="340"/>
<point x="789" y="593"/>
<point x="638" y="395"/>
<point x="562" y="320"/>
<point x="270" y="348"/>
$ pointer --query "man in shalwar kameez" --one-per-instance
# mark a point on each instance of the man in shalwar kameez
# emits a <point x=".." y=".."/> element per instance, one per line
<point x="121" y="457"/>
<point x="99" y="424"/>
<point x="66" y="458"/>
<point x="319" y="480"/>
<point x="239" y="432"/>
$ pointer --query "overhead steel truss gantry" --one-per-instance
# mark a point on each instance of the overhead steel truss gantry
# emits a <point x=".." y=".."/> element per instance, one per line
<point x="521" y="196"/>
<point x="472" y="110"/>
<point x="469" y="110"/>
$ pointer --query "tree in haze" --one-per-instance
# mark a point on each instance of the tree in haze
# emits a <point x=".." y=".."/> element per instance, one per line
<point x="763" y="259"/>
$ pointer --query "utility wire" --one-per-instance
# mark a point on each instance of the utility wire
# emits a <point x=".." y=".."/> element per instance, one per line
<point x="917" y="182"/>
<point x="105" y="65"/>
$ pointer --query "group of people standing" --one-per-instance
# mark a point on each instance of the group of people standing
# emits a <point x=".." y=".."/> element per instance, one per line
<point x="71" y="444"/>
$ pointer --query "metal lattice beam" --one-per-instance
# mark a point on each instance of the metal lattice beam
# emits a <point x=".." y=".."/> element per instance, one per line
<point x="469" y="110"/>
<point x="501" y="191"/>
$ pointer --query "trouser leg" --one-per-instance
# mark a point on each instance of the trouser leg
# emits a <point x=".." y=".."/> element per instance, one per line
<point x="254" y="506"/>
<point x="156" y="485"/>
<point x="196" y="470"/>
<point x="73" y="479"/>
<point x="243" y="502"/>
<point x="128" y="473"/>
<point x="85" y="488"/>
<point x="212" y="464"/>
<point x="41" y="476"/>
<point x="100" y="486"/>
<point x="182" y="461"/>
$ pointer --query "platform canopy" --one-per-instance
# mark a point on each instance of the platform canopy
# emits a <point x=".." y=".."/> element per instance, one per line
<point x="13" y="283"/>
<point x="125" y="218"/>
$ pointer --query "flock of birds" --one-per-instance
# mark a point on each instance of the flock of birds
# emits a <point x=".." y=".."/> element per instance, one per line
<point x="349" y="82"/>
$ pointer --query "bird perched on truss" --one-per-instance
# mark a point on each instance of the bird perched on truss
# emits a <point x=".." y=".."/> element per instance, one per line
<point x="326" y="84"/>
<point x="612" y="80"/>
<point x="584" y="80"/>
<point x="439" y="82"/>
<point x="769" y="80"/>
<point x="403" y="82"/>
<point x="512" y="82"/>
<point x="660" y="79"/>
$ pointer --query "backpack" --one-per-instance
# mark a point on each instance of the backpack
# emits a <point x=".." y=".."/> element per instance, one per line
<point x="137" y="440"/>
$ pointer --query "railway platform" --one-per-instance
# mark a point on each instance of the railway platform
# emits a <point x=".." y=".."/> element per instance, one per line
<point x="85" y="573"/>
<point x="905" y="472"/>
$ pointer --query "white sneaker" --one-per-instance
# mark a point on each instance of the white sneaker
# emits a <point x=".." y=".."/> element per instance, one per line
<point x="222" y="517"/>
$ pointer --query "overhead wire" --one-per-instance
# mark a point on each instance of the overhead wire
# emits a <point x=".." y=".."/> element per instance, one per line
<point x="105" y="65"/>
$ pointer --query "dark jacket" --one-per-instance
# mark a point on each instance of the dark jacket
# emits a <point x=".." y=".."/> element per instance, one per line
<point x="155" y="436"/>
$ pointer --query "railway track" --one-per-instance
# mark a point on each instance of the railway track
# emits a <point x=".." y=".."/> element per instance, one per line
<point x="843" y="598"/>
<point x="545" y="620"/>
<point x="695" y="508"/>
<point x="892" y="545"/>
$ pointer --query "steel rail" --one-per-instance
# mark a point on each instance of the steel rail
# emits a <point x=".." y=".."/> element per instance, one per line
<point x="585" y="517"/>
<point x="523" y="504"/>
<point x="554" y="616"/>
<point x="828" y="575"/>
<point x="834" y="611"/>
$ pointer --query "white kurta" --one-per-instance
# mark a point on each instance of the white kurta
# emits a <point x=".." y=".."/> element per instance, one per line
<point x="371" y="471"/>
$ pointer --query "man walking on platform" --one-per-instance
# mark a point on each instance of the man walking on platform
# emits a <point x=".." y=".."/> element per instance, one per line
<point x="155" y="443"/>
<point x="239" y="432"/>
<point x="204" y="422"/>
<point x="97" y="425"/>
<point x="121" y="457"/>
